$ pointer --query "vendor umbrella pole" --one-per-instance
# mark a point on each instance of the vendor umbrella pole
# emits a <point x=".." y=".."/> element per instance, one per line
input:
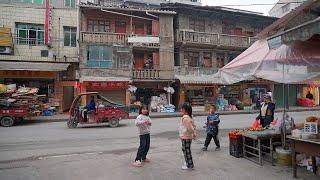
<point x="283" y="122"/>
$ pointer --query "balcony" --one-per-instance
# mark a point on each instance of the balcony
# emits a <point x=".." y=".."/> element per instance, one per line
<point x="195" y="71"/>
<point x="214" y="39"/>
<point x="103" y="37"/>
<point x="143" y="41"/>
<point x="146" y="74"/>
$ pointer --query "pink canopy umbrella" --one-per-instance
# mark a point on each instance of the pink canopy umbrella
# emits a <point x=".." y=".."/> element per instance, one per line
<point x="294" y="63"/>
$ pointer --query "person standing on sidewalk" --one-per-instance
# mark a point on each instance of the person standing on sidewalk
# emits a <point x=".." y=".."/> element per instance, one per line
<point x="212" y="126"/>
<point x="187" y="132"/>
<point x="143" y="122"/>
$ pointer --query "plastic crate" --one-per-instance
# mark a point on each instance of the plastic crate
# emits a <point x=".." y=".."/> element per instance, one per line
<point x="235" y="145"/>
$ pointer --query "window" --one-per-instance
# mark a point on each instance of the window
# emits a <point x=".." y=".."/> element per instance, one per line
<point x="98" y="26"/>
<point x="31" y="34"/>
<point x="100" y="56"/>
<point x="70" y="3"/>
<point x="70" y="36"/>
<point x="197" y="24"/>
<point x="31" y="1"/>
<point x="193" y="59"/>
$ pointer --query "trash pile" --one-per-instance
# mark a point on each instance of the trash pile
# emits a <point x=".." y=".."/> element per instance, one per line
<point x="25" y="97"/>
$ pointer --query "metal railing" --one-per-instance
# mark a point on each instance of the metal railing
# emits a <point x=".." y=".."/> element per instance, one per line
<point x="214" y="39"/>
<point x="29" y="41"/>
<point x="146" y="74"/>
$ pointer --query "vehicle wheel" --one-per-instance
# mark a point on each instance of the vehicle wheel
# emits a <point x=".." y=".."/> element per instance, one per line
<point x="114" y="122"/>
<point x="72" y="124"/>
<point x="7" y="121"/>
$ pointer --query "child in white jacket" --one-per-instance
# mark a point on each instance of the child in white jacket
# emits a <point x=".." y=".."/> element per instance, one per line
<point x="143" y="122"/>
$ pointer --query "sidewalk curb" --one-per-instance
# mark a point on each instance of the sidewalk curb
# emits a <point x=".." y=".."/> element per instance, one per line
<point x="178" y="114"/>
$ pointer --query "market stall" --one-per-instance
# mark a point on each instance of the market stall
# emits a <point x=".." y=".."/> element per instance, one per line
<point x="306" y="140"/>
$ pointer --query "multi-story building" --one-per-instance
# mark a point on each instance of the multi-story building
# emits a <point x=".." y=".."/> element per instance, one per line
<point x="38" y="46"/>
<point x="122" y="45"/>
<point x="207" y="38"/>
<point x="283" y="7"/>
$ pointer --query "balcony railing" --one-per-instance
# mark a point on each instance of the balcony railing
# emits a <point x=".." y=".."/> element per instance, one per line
<point x="146" y="74"/>
<point x="196" y="71"/>
<point x="104" y="37"/>
<point x="120" y="38"/>
<point x="214" y="39"/>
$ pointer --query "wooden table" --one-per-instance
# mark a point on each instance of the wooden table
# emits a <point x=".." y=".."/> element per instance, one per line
<point x="257" y="149"/>
<point x="310" y="147"/>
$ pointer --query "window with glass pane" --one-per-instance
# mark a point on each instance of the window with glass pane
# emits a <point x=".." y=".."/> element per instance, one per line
<point x="100" y="56"/>
<point x="31" y="1"/>
<point x="70" y="36"/>
<point x="32" y="34"/>
<point x="70" y="3"/>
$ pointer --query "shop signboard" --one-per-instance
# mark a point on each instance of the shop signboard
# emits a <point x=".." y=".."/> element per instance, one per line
<point x="27" y="74"/>
<point x="108" y="85"/>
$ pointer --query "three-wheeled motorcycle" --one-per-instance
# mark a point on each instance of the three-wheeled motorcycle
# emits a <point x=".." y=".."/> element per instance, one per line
<point x="106" y="111"/>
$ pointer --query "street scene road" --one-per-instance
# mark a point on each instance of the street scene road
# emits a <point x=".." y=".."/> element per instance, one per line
<point x="52" y="151"/>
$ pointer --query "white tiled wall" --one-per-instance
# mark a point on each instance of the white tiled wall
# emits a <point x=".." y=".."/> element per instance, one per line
<point x="11" y="14"/>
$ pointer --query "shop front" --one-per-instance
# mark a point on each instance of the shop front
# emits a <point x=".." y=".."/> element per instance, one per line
<point x="245" y="95"/>
<point x="153" y="94"/>
<point x="199" y="91"/>
<point x="116" y="91"/>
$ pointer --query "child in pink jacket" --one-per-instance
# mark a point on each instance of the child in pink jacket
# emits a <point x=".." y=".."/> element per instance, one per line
<point x="187" y="132"/>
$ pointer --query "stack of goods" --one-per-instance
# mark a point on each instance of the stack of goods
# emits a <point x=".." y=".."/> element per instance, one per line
<point x="23" y="97"/>
<point x="309" y="130"/>
<point x="160" y="104"/>
<point x="170" y="108"/>
<point x="222" y="104"/>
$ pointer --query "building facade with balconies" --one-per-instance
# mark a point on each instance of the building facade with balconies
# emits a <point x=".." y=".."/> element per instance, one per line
<point x="38" y="47"/>
<point x="207" y="38"/>
<point x="124" y="45"/>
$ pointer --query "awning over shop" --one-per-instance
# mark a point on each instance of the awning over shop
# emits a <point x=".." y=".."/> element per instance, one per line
<point x="33" y="66"/>
<point x="302" y="32"/>
<point x="103" y="79"/>
<point x="201" y="80"/>
<point x="294" y="63"/>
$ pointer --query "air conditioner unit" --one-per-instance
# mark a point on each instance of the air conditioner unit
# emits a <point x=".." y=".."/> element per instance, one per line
<point x="5" y="50"/>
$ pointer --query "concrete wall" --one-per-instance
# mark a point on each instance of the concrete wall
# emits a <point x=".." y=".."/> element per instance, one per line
<point x="10" y="14"/>
<point x="166" y="51"/>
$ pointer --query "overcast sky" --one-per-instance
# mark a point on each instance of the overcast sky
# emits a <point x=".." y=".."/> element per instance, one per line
<point x="263" y="9"/>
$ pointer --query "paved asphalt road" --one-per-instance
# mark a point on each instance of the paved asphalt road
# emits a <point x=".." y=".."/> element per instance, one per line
<point x="52" y="151"/>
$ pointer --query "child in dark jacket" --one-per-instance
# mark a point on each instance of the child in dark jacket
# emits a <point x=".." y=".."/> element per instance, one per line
<point x="212" y="126"/>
